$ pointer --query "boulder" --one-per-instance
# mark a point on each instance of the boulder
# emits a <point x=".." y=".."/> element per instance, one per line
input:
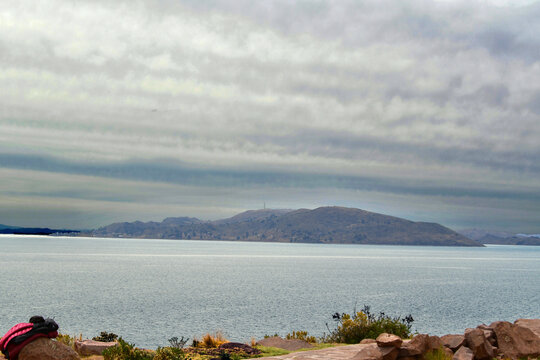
<point x="480" y="346"/>
<point x="516" y="341"/>
<point x="368" y="341"/>
<point x="488" y="333"/>
<point x="290" y="345"/>
<point x="386" y="339"/>
<point x="370" y="352"/>
<point x="453" y="341"/>
<point x="463" y="353"/>
<point x="389" y="352"/>
<point x="92" y="347"/>
<point x="47" y="349"/>
<point x="416" y="347"/>
<point x="531" y="324"/>
<point x="434" y="343"/>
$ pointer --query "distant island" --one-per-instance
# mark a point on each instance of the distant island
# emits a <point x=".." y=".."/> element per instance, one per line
<point x="327" y="225"/>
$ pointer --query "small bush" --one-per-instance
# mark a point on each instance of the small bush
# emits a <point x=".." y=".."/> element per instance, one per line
<point x="125" y="351"/>
<point x="105" y="337"/>
<point x="178" y="343"/>
<point x="169" y="353"/>
<point x="365" y="325"/>
<point x="224" y="355"/>
<point x="301" y="335"/>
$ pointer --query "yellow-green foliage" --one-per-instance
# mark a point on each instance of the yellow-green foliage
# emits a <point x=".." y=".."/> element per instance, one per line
<point x="364" y="325"/>
<point x="169" y="353"/>
<point x="302" y="335"/>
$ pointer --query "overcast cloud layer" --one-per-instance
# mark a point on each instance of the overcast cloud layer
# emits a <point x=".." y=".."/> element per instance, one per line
<point x="124" y="110"/>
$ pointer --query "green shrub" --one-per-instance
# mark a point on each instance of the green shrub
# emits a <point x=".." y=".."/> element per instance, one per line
<point x="365" y="325"/>
<point x="105" y="337"/>
<point x="169" y="353"/>
<point x="301" y="335"/>
<point x="223" y="355"/>
<point x="125" y="351"/>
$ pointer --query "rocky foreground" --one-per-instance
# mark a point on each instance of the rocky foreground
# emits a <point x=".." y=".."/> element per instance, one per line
<point x="499" y="340"/>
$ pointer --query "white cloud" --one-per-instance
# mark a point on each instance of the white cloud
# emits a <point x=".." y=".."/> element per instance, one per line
<point x="444" y="91"/>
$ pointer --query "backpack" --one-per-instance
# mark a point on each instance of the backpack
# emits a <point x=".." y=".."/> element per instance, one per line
<point x="24" y="333"/>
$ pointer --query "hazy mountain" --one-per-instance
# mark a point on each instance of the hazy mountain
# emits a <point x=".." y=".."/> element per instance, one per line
<point x="476" y="234"/>
<point x="333" y="225"/>
<point x="500" y="237"/>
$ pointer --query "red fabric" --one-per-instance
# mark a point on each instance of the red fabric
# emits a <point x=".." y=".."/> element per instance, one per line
<point x="17" y="330"/>
<point x="13" y="350"/>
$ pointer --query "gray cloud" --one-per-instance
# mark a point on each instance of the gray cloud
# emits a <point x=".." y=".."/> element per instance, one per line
<point x="431" y="100"/>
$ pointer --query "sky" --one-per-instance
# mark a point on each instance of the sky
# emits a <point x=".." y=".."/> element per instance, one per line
<point x="139" y="110"/>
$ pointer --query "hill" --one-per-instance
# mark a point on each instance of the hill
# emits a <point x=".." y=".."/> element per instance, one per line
<point x="331" y="225"/>
<point x="501" y="237"/>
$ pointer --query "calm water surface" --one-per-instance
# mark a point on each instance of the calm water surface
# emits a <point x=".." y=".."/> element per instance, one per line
<point x="150" y="290"/>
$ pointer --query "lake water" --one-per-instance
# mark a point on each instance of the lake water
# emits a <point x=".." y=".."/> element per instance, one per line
<point x="150" y="290"/>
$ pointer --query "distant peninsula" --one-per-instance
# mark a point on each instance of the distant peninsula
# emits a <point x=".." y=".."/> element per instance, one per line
<point x="327" y="225"/>
<point x="17" y="230"/>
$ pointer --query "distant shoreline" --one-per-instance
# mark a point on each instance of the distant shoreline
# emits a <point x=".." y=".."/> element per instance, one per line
<point x="86" y="236"/>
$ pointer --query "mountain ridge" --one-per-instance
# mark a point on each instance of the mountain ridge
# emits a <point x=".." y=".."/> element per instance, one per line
<point x="330" y="225"/>
<point x="500" y="237"/>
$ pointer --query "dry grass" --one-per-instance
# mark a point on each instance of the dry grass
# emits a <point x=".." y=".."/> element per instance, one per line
<point x="211" y="340"/>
